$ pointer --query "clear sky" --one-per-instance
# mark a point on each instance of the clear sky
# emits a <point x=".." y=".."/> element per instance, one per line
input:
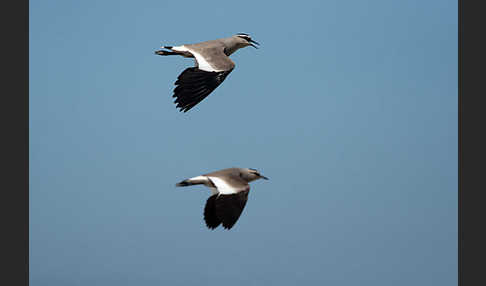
<point x="349" y="107"/>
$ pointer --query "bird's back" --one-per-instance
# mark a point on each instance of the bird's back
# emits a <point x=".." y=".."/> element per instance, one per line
<point x="231" y="176"/>
<point x="213" y="53"/>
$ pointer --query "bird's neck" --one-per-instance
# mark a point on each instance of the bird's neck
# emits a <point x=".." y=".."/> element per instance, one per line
<point x="228" y="51"/>
<point x="230" y="46"/>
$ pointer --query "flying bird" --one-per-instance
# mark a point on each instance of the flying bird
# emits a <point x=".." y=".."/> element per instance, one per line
<point x="212" y="67"/>
<point x="229" y="193"/>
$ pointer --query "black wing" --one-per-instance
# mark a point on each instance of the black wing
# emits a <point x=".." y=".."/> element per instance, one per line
<point x="225" y="209"/>
<point x="193" y="85"/>
<point x="212" y="221"/>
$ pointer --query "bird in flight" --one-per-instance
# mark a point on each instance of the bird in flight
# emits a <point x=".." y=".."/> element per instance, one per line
<point x="212" y="67"/>
<point x="229" y="193"/>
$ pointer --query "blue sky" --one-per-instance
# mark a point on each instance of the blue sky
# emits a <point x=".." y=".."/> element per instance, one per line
<point x="349" y="107"/>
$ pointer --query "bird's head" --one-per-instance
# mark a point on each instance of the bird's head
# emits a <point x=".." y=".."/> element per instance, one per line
<point x="244" y="40"/>
<point x="249" y="175"/>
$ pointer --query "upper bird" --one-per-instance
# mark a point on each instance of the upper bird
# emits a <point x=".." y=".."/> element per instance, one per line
<point x="212" y="66"/>
<point x="229" y="193"/>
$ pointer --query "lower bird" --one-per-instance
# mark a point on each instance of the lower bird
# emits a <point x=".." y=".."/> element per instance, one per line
<point x="212" y="67"/>
<point x="229" y="193"/>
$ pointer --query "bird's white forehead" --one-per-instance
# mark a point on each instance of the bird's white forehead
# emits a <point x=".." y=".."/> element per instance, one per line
<point x="243" y="35"/>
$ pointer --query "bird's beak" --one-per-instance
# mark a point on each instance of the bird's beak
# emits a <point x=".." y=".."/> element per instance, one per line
<point x="254" y="42"/>
<point x="263" y="177"/>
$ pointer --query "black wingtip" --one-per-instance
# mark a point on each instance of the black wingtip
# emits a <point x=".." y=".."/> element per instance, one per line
<point x="211" y="227"/>
<point x="210" y="215"/>
<point x="184" y="109"/>
<point x="182" y="184"/>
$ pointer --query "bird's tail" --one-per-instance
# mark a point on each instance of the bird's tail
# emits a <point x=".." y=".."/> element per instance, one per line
<point x="166" y="53"/>
<point x="174" y="51"/>
<point x="199" y="180"/>
<point x="184" y="183"/>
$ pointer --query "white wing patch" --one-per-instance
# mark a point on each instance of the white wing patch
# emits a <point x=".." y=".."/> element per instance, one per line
<point x="201" y="62"/>
<point x="198" y="179"/>
<point x="180" y="49"/>
<point x="214" y="191"/>
<point x="222" y="187"/>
